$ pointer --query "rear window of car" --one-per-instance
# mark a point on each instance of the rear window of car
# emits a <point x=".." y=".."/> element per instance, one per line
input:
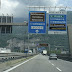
<point x="53" y="55"/>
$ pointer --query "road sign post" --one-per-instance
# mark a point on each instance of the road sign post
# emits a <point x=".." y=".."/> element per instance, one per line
<point x="49" y="48"/>
<point x="28" y="44"/>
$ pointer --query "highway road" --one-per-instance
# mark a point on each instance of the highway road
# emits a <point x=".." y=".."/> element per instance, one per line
<point x="41" y="63"/>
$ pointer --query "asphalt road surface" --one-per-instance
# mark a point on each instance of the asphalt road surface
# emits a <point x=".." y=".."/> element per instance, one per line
<point x="42" y="63"/>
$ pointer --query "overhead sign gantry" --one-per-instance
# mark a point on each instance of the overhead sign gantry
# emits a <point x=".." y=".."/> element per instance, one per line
<point x="57" y="20"/>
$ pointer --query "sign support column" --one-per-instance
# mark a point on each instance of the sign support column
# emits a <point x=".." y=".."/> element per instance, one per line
<point x="28" y="43"/>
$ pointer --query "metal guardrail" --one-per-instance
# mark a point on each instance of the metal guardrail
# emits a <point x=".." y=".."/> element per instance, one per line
<point x="12" y="56"/>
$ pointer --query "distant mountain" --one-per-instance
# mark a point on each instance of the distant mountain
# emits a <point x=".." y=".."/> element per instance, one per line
<point x="21" y="20"/>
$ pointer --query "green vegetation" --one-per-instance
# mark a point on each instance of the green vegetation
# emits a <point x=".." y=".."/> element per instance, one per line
<point x="4" y="38"/>
<point x="54" y="51"/>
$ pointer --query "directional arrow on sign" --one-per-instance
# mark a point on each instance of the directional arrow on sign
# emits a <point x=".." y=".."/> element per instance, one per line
<point x="37" y="31"/>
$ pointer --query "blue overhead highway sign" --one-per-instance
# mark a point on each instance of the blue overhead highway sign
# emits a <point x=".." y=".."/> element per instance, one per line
<point x="57" y="23"/>
<point x="37" y="22"/>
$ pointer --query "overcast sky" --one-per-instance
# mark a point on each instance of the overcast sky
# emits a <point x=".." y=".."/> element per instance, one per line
<point x="18" y="7"/>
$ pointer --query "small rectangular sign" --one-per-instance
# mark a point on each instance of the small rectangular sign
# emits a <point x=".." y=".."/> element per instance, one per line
<point x="37" y="17"/>
<point x="43" y="44"/>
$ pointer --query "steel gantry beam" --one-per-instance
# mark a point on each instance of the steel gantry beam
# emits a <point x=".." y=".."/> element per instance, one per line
<point x="19" y="24"/>
<point x="15" y="24"/>
<point x="49" y="7"/>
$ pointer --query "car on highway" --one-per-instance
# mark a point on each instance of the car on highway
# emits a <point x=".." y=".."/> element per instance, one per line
<point x="52" y="56"/>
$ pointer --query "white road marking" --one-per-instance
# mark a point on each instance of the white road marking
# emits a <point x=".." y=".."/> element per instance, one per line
<point x="49" y="62"/>
<point x="19" y="64"/>
<point x="58" y="69"/>
<point x="53" y="64"/>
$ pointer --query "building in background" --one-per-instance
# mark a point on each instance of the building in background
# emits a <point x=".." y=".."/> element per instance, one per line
<point x="6" y="28"/>
<point x="5" y="50"/>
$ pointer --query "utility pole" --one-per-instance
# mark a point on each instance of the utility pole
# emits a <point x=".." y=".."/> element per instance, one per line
<point x="49" y="48"/>
<point x="28" y="43"/>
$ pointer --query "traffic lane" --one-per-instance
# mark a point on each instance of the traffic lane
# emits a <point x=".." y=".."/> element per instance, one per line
<point x="65" y="66"/>
<point x="38" y="64"/>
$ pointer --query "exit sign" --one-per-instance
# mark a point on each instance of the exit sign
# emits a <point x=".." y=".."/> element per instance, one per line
<point x="43" y="44"/>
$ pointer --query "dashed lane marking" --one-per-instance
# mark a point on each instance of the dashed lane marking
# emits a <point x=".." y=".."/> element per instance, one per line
<point x="58" y="69"/>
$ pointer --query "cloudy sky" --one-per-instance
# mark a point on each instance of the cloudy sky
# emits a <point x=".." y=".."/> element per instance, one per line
<point x="18" y="7"/>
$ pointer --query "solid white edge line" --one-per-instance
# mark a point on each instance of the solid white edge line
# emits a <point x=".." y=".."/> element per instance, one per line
<point x="19" y="64"/>
<point x="58" y="69"/>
